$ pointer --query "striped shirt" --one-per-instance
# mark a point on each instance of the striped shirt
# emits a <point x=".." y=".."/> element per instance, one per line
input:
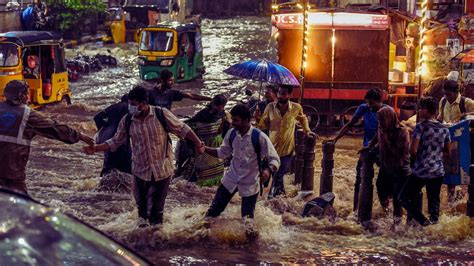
<point x="152" y="155"/>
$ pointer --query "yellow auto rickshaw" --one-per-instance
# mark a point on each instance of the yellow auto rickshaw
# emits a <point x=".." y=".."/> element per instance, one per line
<point x="116" y="22"/>
<point x="174" y="46"/>
<point x="38" y="58"/>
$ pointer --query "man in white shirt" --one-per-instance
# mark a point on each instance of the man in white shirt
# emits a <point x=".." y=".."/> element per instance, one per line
<point x="244" y="174"/>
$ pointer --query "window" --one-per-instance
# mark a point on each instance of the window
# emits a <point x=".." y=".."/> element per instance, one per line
<point x="8" y="55"/>
<point x="160" y="41"/>
<point x="59" y="63"/>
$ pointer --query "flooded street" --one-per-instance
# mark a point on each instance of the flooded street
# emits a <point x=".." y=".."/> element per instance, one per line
<point x="62" y="176"/>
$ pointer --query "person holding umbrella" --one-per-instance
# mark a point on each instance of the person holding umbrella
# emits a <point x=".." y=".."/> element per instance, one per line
<point x="280" y="117"/>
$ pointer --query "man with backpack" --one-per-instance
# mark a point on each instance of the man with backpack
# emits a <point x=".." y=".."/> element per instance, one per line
<point x="254" y="159"/>
<point x="452" y="108"/>
<point x="147" y="128"/>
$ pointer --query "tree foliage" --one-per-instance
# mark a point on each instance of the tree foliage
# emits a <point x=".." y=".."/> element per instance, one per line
<point x="70" y="14"/>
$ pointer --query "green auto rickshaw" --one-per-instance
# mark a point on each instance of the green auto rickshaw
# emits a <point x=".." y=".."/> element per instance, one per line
<point x="174" y="46"/>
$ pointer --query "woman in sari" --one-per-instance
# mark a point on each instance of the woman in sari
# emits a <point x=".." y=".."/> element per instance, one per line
<point x="210" y="124"/>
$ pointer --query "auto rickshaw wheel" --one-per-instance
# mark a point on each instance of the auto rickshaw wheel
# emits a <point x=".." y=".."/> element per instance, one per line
<point x="346" y="116"/>
<point x="313" y="117"/>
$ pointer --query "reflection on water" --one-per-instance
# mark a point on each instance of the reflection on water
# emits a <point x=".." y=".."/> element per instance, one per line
<point x="60" y="175"/>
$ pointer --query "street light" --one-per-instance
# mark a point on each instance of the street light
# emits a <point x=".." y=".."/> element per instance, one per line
<point x="421" y="62"/>
<point x="304" y="55"/>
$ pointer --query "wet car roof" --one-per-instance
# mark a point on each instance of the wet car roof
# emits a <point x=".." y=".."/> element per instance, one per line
<point x="176" y="26"/>
<point x="31" y="37"/>
<point x="33" y="232"/>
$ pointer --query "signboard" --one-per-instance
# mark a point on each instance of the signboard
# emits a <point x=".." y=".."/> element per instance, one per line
<point x="457" y="165"/>
<point x="337" y="20"/>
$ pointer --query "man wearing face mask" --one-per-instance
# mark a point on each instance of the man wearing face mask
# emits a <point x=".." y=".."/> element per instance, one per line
<point x="163" y="95"/>
<point x="147" y="128"/>
<point x="280" y="118"/>
<point x="18" y="125"/>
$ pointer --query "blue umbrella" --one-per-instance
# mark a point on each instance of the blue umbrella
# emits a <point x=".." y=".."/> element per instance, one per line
<point x="264" y="71"/>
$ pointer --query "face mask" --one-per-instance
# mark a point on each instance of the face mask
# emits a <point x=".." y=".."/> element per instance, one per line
<point x="133" y="109"/>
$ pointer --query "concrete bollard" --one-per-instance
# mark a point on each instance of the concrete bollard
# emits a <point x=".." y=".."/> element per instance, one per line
<point x="470" y="187"/>
<point x="298" y="142"/>
<point x="327" y="165"/>
<point x="299" y="158"/>
<point x="366" y="193"/>
<point x="307" y="183"/>
<point x="470" y="191"/>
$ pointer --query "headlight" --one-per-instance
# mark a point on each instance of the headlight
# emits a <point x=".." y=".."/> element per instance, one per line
<point x="166" y="62"/>
<point x="141" y="61"/>
<point x="9" y="73"/>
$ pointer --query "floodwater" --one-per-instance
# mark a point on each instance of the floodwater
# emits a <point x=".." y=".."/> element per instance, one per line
<point x="62" y="176"/>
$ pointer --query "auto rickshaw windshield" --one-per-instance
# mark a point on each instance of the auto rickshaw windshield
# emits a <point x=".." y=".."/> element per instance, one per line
<point x="160" y="41"/>
<point x="8" y="55"/>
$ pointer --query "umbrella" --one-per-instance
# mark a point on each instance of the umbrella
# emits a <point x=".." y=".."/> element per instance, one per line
<point x="463" y="56"/>
<point x="264" y="71"/>
<point x="468" y="57"/>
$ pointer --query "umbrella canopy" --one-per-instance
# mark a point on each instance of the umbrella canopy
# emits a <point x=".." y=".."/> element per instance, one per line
<point x="465" y="56"/>
<point x="263" y="70"/>
<point x="468" y="58"/>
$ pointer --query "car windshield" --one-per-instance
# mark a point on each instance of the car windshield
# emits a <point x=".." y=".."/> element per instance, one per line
<point x="160" y="41"/>
<point x="33" y="234"/>
<point x="8" y="55"/>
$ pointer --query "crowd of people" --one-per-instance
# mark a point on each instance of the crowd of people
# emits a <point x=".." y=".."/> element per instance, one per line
<point x="134" y="136"/>
<point x="208" y="140"/>
<point x="409" y="158"/>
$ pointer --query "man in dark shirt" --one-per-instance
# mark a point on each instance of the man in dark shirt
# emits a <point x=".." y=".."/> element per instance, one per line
<point x="430" y="141"/>
<point x="163" y="95"/>
<point x="107" y="123"/>
<point x="368" y="112"/>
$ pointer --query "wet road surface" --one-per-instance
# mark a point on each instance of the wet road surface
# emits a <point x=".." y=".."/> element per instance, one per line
<point x="62" y="176"/>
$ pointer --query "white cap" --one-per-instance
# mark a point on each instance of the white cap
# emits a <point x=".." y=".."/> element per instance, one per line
<point x="453" y="75"/>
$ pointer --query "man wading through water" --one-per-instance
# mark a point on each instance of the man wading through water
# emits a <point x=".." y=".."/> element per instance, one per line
<point x="244" y="174"/>
<point x="152" y="157"/>
<point x="163" y="95"/>
<point x="429" y="141"/>
<point x="280" y="118"/>
<point x="18" y="125"/>
<point x="452" y="108"/>
<point x="368" y="111"/>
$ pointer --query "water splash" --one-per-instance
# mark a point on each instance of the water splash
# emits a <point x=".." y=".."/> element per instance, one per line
<point x="63" y="177"/>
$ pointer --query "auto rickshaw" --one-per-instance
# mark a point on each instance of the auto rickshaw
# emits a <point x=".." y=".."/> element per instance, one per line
<point x="38" y="58"/>
<point x="116" y="21"/>
<point x="173" y="46"/>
